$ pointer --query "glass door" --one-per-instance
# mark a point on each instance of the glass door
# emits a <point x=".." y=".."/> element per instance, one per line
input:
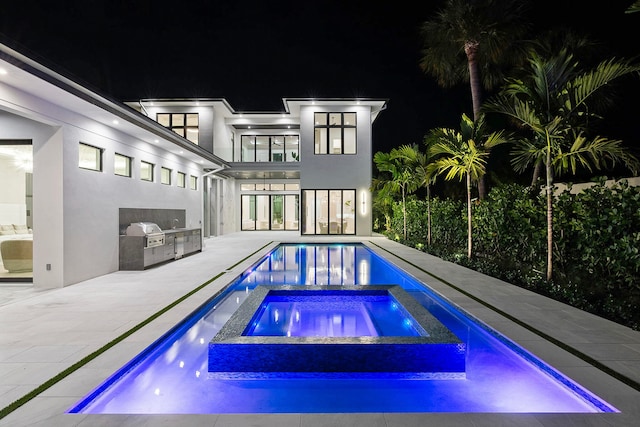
<point x="16" y="207"/>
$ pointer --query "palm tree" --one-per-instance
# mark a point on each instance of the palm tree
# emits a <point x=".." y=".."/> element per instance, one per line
<point x="474" y="42"/>
<point x="462" y="157"/>
<point x="425" y="177"/>
<point x="400" y="182"/>
<point x="552" y="102"/>
<point x="635" y="7"/>
<point x="382" y="201"/>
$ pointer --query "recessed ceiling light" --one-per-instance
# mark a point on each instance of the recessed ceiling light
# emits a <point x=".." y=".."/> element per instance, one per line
<point x="3" y="71"/>
<point x="115" y="122"/>
<point x="156" y="141"/>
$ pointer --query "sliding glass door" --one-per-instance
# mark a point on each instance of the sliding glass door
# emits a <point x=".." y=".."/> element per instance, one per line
<point x="328" y="211"/>
<point x="269" y="212"/>
<point x="16" y="207"/>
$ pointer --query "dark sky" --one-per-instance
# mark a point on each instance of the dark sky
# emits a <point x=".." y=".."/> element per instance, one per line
<point x="254" y="53"/>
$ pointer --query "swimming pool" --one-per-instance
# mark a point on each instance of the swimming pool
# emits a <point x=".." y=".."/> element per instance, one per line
<point x="172" y="375"/>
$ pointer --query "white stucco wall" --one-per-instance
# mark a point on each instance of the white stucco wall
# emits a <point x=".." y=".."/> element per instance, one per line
<point x="353" y="171"/>
<point x="76" y="211"/>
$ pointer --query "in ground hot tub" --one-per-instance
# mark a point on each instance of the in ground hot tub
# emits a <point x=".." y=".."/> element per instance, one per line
<point x="334" y="329"/>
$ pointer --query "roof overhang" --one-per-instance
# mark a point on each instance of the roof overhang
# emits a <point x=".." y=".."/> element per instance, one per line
<point x="35" y="79"/>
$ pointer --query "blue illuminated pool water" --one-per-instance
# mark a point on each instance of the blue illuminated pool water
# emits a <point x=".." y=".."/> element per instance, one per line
<point x="171" y="376"/>
<point x="332" y="316"/>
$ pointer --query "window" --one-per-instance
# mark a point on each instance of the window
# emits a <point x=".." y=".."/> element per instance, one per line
<point x="122" y="165"/>
<point x="182" y="180"/>
<point x="146" y="171"/>
<point x="184" y="124"/>
<point x="193" y="182"/>
<point x="90" y="157"/>
<point x="269" y="148"/>
<point x="165" y="176"/>
<point x="335" y="133"/>
<point x="292" y="187"/>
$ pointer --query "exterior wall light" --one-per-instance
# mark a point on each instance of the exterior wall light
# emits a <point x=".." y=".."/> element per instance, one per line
<point x="364" y="203"/>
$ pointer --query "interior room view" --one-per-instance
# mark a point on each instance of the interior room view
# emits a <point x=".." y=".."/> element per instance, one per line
<point x="16" y="203"/>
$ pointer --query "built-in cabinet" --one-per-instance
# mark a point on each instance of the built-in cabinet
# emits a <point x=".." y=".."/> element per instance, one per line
<point x="177" y="243"/>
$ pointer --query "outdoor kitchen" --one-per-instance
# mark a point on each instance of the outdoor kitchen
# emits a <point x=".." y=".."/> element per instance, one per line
<point x="150" y="237"/>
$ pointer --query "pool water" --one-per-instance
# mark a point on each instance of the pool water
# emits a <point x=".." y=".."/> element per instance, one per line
<point x="322" y="315"/>
<point x="172" y="376"/>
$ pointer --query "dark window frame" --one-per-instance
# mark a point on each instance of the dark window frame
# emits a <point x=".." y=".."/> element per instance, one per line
<point x="129" y="162"/>
<point x="100" y="157"/>
<point x="270" y="154"/>
<point x="303" y="218"/>
<point x="328" y="126"/>
<point x="153" y="171"/>
<point x="184" y="125"/>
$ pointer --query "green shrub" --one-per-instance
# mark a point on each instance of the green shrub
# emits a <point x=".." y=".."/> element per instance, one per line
<point x="596" y="243"/>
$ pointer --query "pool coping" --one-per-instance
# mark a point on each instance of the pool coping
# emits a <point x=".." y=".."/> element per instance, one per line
<point x="438" y="353"/>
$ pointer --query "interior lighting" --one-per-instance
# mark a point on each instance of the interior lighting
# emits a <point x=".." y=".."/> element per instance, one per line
<point x="3" y="72"/>
<point x="115" y="122"/>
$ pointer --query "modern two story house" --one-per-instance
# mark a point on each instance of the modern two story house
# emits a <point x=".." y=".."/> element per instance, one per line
<point x="77" y="167"/>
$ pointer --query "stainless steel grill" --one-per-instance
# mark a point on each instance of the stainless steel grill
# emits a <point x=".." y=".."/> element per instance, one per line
<point x="154" y="236"/>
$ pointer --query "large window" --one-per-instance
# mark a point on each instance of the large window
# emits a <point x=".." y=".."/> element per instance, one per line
<point x="90" y="157"/>
<point x="270" y="212"/>
<point x="328" y="211"/>
<point x="184" y="124"/>
<point x="335" y="133"/>
<point x="269" y="148"/>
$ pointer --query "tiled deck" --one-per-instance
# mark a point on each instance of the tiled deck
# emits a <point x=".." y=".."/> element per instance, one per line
<point x="43" y="332"/>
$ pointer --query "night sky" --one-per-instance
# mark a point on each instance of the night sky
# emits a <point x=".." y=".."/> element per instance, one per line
<point x="254" y="53"/>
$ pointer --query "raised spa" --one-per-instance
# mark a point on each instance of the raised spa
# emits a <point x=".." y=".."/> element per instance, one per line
<point x="333" y="330"/>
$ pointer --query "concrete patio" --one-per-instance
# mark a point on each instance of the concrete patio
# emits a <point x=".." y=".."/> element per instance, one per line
<point x="45" y="332"/>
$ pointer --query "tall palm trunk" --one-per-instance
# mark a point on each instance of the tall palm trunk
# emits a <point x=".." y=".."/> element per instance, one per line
<point x="468" y="216"/>
<point x="549" y="215"/>
<point x="404" y="215"/>
<point x="471" y="49"/>
<point x="428" y="215"/>
<point x="537" y="168"/>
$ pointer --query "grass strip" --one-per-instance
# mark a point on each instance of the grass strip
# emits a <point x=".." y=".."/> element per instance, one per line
<point x="590" y="360"/>
<point x="249" y="256"/>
